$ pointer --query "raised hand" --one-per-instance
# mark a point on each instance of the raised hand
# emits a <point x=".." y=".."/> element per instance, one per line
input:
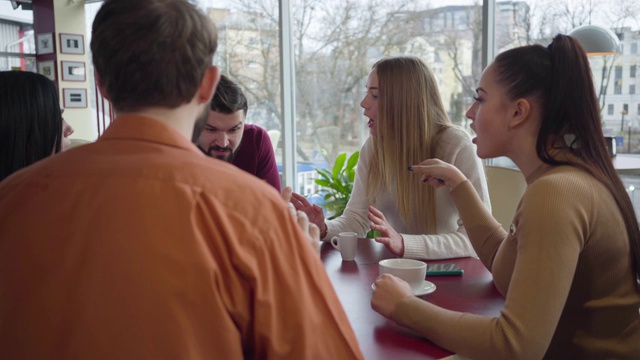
<point x="439" y="173"/>
<point x="314" y="212"/>
<point x="388" y="235"/>
<point x="311" y="230"/>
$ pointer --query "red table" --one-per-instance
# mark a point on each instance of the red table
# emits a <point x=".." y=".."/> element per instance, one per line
<point x="380" y="338"/>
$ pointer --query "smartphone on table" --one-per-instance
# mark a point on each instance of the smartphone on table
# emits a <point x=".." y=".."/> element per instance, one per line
<point x="446" y="269"/>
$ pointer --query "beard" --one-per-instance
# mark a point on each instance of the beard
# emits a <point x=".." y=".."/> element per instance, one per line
<point x="228" y="158"/>
<point x="201" y="121"/>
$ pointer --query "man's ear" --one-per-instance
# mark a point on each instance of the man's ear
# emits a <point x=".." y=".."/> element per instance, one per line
<point x="100" y="85"/>
<point x="208" y="84"/>
<point x="520" y="113"/>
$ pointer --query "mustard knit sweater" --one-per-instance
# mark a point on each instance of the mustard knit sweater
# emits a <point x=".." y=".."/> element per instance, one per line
<point x="564" y="269"/>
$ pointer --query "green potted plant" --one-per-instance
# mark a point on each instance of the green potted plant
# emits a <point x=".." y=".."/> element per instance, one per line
<point x="338" y="183"/>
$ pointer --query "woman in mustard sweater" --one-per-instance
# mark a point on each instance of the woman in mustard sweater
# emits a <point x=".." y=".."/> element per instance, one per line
<point x="568" y="267"/>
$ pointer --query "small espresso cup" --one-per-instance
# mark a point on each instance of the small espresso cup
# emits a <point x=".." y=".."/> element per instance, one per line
<point x="411" y="271"/>
<point x="346" y="243"/>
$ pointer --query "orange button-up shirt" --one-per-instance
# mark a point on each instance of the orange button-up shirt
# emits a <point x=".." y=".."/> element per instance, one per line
<point x="139" y="246"/>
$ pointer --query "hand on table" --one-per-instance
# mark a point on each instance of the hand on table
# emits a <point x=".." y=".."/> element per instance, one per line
<point x="314" y="212"/>
<point x="309" y="229"/>
<point x="389" y="237"/>
<point x="439" y="173"/>
<point x="388" y="293"/>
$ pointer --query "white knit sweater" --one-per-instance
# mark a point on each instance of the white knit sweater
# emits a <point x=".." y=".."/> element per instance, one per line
<point x="454" y="147"/>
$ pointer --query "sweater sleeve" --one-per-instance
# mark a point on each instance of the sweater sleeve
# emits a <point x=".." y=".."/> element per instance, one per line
<point x="455" y="148"/>
<point x="542" y="255"/>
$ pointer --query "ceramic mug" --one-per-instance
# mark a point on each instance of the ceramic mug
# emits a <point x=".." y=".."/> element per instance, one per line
<point x="346" y="243"/>
<point x="411" y="271"/>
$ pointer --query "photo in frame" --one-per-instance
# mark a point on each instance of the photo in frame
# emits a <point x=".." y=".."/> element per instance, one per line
<point x="71" y="44"/>
<point x="44" y="44"/>
<point x="48" y="69"/>
<point x="73" y="71"/>
<point x="74" y="98"/>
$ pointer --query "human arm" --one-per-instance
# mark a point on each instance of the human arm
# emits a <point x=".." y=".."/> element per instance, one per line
<point x="271" y="279"/>
<point x="546" y="246"/>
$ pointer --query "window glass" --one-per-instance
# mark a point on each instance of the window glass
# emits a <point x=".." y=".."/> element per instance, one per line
<point x="17" y="43"/>
<point x="539" y="20"/>
<point x="337" y="42"/>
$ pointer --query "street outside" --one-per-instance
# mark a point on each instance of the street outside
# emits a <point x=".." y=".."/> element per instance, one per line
<point x="632" y="183"/>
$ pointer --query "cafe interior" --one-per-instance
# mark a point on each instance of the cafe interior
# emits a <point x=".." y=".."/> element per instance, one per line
<point x="305" y="84"/>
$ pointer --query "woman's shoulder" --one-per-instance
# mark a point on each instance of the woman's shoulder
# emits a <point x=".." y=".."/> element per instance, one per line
<point x="566" y="182"/>
<point x="452" y="140"/>
<point x="454" y="133"/>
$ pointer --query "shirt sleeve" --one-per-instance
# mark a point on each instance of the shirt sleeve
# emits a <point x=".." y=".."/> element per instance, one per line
<point x="267" y="168"/>
<point x="274" y="286"/>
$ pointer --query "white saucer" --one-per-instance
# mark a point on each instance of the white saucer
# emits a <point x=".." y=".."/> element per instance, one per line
<point x="427" y="288"/>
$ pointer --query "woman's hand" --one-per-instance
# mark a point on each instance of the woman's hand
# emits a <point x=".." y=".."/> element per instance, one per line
<point x="438" y="173"/>
<point x="314" y="212"/>
<point x="311" y="231"/>
<point x="389" y="291"/>
<point x="388" y="236"/>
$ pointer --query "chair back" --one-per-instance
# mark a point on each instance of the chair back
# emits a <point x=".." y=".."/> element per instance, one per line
<point x="506" y="187"/>
<point x="274" y="136"/>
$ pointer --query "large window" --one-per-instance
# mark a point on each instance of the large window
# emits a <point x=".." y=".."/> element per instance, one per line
<point x="335" y="43"/>
<point x="17" y="44"/>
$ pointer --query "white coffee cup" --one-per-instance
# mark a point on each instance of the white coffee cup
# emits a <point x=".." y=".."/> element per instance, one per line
<point x="346" y="243"/>
<point x="411" y="271"/>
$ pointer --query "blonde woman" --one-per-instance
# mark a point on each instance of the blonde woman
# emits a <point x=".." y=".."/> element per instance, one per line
<point x="408" y="123"/>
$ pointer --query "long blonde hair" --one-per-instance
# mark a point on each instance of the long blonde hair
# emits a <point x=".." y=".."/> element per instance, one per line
<point x="410" y="116"/>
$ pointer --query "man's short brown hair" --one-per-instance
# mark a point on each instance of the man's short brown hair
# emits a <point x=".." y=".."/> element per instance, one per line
<point x="151" y="53"/>
<point x="228" y="97"/>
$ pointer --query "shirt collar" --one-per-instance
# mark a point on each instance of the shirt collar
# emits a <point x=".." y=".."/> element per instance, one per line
<point x="142" y="128"/>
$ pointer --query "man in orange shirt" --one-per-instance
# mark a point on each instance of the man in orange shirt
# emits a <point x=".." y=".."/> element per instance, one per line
<point x="124" y="248"/>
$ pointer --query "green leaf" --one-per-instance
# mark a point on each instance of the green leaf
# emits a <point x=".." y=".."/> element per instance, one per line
<point x="337" y="184"/>
<point x="337" y="167"/>
<point x="322" y="182"/>
<point x="372" y="234"/>
<point x="353" y="160"/>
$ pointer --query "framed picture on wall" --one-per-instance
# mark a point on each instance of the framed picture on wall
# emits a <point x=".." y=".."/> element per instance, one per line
<point x="74" y="98"/>
<point x="48" y="69"/>
<point x="73" y="71"/>
<point x="44" y="44"/>
<point x="71" y="44"/>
